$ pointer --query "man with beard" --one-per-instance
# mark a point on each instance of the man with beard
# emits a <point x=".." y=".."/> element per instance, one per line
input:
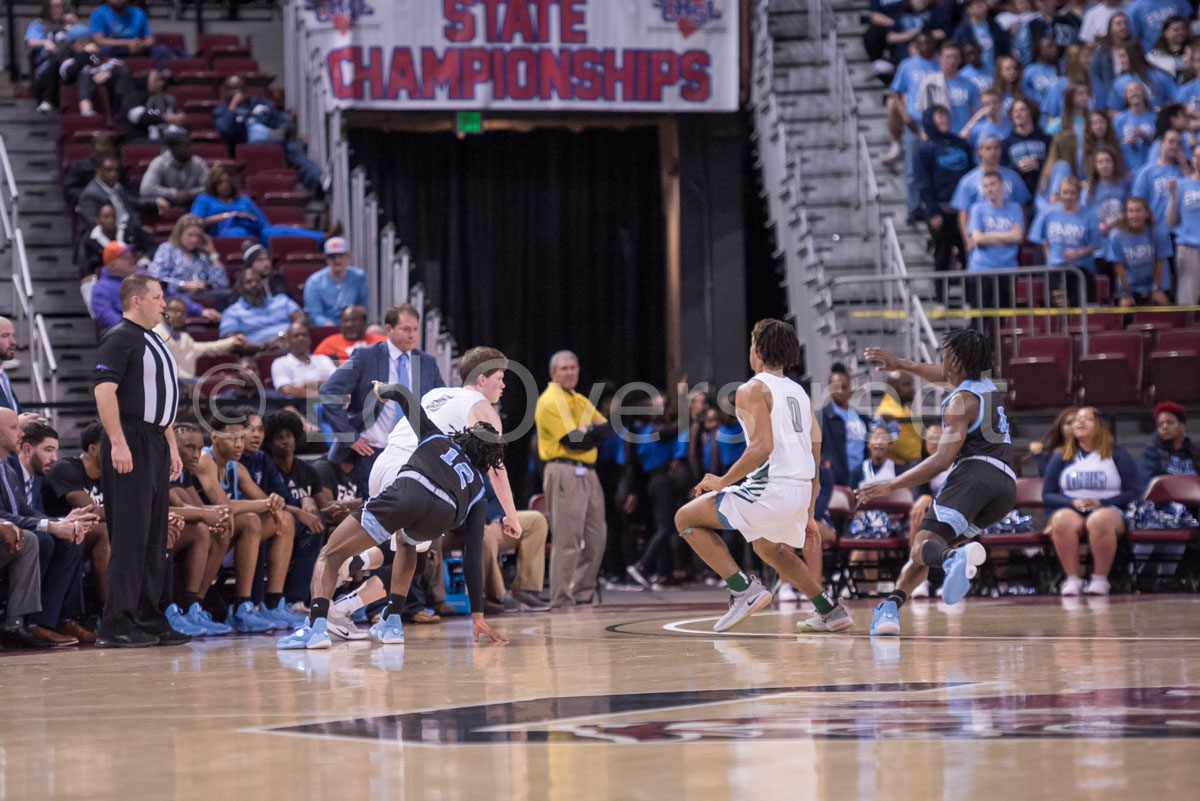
<point x="255" y="315"/>
<point x="8" y="347"/>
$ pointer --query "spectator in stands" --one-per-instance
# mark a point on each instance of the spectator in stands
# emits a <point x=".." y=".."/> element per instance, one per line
<point x="258" y="258"/>
<point x="568" y="430"/>
<point x="1170" y="452"/>
<point x="106" y="189"/>
<point x="902" y="111"/>
<point x="149" y="113"/>
<point x="1085" y="488"/>
<point x="877" y="466"/>
<point x="919" y="17"/>
<point x="19" y="567"/>
<point x="1103" y="68"/>
<point x="176" y="176"/>
<point x="970" y="189"/>
<point x="976" y="28"/>
<point x="1132" y="66"/>
<point x="946" y="88"/>
<point x="124" y="30"/>
<point x="880" y="21"/>
<point x="1015" y="14"/>
<point x="106" y="297"/>
<point x="1148" y="18"/>
<point x="657" y="470"/>
<point x="183" y="347"/>
<point x="1172" y="117"/>
<point x="1099" y="133"/>
<point x="338" y="481"/>
<point x="87" y="69"/>
<point x="1138" y="250"/>
<point x="1107" y="189"/>
<point x="895" y="413"/>
<point x="370" y="421"/>
<point x="1062" y="28"/>
<point x="227" y="213"/>
<point x="1096" y="19"/>
<point x="989" y="120"/>
<point x="994" y="234"/>
<point x="258" y="317"/>
<point x="335" y="286"/>
<point x="299" y="373"/>
<point x="843" y="432"/>
<point x="1188" y="90"/>
<point x="89" y="255"/>
<point x="267" y="124"/>
<point x="1134" y="126"/>
<point x="1007" y="79"/>
<point x="1070" y="237"/>
<point x="973" y="67"/>
<point x="80" y="172"/>
<point x="46" y="43"/>
<point x="1039" y="76"/>
<point x="942" y="162"/>
<point x="1025" y="149"/>
<point x="188" y="264"/>
<point x="1077" y="98"/>
<point x="229" y="117"/>
<point x="8" y="348"/>
<point x="1183" y="216"/>
<point x="352" y="334"/>
<point x="1168" y="52"/>
<point x="1061" y="162"/>
<point x="1056" y="436"/>
<point x="1077" y="70"/>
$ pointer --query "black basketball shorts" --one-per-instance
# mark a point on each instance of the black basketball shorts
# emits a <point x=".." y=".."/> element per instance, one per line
<point x="412" y="507"/>
<point x="976" y="494"/>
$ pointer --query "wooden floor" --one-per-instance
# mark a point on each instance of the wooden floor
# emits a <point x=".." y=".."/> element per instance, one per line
<point x="1004" y="700"/>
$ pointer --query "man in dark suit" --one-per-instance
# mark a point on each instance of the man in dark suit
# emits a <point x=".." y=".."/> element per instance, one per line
<point x="364" y="424"/>
<point x="8" y="347"/>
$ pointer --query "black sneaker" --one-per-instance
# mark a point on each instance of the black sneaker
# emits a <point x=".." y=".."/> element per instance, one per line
<point x="173" y="637"/>
<point x="134" y="639"/>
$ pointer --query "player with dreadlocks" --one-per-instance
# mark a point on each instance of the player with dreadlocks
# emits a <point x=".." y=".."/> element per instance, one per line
<point x="980" y="490"/>
<point x="438" y="490"/>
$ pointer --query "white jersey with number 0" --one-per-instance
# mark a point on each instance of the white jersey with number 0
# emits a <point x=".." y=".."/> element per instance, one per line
<point x="449" y="408"/>
<point x="791" y="458"/>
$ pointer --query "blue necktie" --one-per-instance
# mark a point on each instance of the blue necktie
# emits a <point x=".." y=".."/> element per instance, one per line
<point x="12" y="501"/>
<point x="8" y="393"/>
<point x="402" y="371"/>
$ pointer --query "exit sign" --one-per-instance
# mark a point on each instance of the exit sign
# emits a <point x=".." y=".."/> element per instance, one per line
<point x="469" y="122"/>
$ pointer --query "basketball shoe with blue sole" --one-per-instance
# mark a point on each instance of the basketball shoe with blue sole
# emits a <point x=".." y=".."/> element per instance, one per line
<point x="243" y="618"/>
<point x="281" y="616"/>
<point x="199" y="616"/>
<point x="311" y="636"/>
<point x="886" y="620"/>
<point x="181" y="624"/>
<point x="960" y="568"/>
<point x="389" y="631"/>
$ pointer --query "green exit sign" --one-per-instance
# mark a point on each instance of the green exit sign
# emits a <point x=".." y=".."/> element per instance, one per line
<point x="469" y="122"/>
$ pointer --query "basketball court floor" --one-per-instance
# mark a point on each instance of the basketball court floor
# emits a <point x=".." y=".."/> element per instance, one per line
<point x="1015" y="700"/>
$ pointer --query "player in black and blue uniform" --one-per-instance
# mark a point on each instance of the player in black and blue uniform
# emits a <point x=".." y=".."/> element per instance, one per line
<point x="980" y="490"/>
<point x="439" y="489"/>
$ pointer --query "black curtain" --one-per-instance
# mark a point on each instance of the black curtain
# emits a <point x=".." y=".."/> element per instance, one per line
<point x="534" y="242"/>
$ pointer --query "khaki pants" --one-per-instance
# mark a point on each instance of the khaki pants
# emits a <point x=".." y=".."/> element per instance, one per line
<point x="576" y="506"/>
<point x="531" y="554"/>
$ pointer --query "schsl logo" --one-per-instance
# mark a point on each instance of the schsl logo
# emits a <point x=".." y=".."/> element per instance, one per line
<point x="342" y="13"/>
<point x="689" y="15"/>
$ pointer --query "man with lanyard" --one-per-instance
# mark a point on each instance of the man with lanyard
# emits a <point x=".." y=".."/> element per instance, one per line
<point x="137" y="392"/>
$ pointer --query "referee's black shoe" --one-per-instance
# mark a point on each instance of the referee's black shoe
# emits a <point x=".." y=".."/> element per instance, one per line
<point x="134" y="639"/>
<point x="173" y="637"/>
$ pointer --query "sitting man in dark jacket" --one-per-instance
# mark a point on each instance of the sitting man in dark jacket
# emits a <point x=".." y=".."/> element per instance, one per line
<point x="843" y="432"/>
<point x="1170" y="452"/>
<point x="942" y="160"/>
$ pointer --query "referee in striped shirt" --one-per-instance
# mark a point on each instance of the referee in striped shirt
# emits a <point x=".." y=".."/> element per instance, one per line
<point x="137" y="392"/>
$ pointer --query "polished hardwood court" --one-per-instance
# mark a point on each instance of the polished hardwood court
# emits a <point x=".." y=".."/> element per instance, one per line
<point x="1015" y="700"/>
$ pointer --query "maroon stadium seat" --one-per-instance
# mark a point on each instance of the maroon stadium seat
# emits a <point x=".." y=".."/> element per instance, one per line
<point x="1026" y="556"/>
<point x="138" y="64"/>
<point x="296" y="275"/>
<point x="197" y="78"/>
<point x="273" y="200"/>
<point x="1103" y="289"/>
<point x="264" y="365"/>
<point x="228" y="51"/>
<point x="310" y="261"/>
<point x="187" y="92"/>
<point x="1163" y="490"/>
<point x="139" y="155"/>
<point x="210" y="151"/>
<point x="259" y="157"/>
<point x="1171" y="319"/>
<point x="230" y="248"/>
<point x="198" y="122"/>
<point x="1111" y="373"/>
<point x="187" y="65"/>
<point x="74" y="127"/>
<point x="284" y="246"/>
<point x="175" y="41"/>
<point x="1175" y="367"/>
<point x="287" y="215"/>
<point x="235" y="66"/>
<point x="318" y="333"/>
<point x="1041" y="375"/>
<point x="260" y="183"/>
<point x="206" y="42"/>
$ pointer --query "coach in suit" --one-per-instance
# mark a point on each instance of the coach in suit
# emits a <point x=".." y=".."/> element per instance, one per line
<point x="365" y="423"/>
<point x="8" y="347"/>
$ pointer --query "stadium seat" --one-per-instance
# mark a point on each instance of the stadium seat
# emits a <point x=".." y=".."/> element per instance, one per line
<point x="175" y="41"/>
<point x="139" y="155"/>
<point x="296" y="275"/>
<point x="192" y="91"/>
<point x="139" y="64"/>
<point x="74" y="127"/>
<point x="260" y="157"/>
<point x="234" y="66"/>
<point x="1172" y="319"/>
<point x="284" y="246"/>
<point x="230" y="248"/>
<point x="196" y="122"/>
<point x="264" y="365"/>
<point x="260" y="183"/>
<point x="187" y="65"/>
<point x="1175" y="367"/>
<point x="202" y="77"/>
<point x="1167" y="547"/>
<point x="890" y="552"/>
<point x="210" y="151"/>
<point x="318" y="333"/>
<point x="203" y="332"/>
<point x="311" y="261"/>
<point x="228" y="51"/>
<point x="1041" y="375"/>
<point x="1111" y="373"/>
<point x="287" y="215"/>
<point x="270" y="201"/>
<point x="207" y="42"/>
<point x="1026" y="555"/>
<point x="841" y="507"/>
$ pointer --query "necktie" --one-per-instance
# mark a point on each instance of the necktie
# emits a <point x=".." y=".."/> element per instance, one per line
<point x="29" y="492"/>
<point x="6" y="385"/>
<point x="402" y="371"/>
<point x="12" y="501"/>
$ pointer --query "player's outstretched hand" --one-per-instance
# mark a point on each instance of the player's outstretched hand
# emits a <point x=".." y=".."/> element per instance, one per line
<point x="710" y="483"/>
<point x="887" y="362"/>
<point x="479" y="626"/>
<point x="512" y="527"/>
<point x="869" y="492"/>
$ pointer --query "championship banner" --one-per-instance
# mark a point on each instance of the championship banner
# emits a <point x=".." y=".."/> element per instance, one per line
<point x="540" y="55"/>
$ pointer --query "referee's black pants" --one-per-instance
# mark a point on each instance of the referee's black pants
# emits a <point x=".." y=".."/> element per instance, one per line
<point x="135" y="506"/>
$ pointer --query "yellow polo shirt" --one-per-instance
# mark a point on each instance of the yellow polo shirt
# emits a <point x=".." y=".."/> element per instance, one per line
<point x="560" y="412"/>
<point x="906" y="447"/>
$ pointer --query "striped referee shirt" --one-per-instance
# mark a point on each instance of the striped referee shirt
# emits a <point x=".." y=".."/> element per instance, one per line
<point x="147" y="378"/>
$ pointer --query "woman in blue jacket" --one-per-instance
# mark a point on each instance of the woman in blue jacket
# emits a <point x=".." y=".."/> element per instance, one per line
<point x="1086" y="487"/>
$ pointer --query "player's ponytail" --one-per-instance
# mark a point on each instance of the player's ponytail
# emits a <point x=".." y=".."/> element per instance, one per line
<point x="482" y="445"/>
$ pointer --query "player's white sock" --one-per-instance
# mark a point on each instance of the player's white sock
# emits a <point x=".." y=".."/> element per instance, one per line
<point x="371" y="591"/>
<point x="372" y="558"/>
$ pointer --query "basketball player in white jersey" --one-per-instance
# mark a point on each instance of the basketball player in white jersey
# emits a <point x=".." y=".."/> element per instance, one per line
<point x="451" y="409"/>
<point x="769" y="494"/>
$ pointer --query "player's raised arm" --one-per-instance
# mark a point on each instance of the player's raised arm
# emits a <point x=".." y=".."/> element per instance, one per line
<point x="888" y="363"/>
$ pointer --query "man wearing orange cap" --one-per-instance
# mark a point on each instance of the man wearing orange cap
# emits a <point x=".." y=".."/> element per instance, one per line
<point x="106" y="297"/>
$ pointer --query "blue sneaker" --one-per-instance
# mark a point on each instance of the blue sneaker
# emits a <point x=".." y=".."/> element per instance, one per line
<point x="886" y="620"/>
<point x="960" y="568"/>
<point x="197" y="615"/>
<point x="389" y="631"/>
<point x="280" y="617"/>
<point x="181" y="624"/>
<point x="312" y="637"/>
<point x="244" y="618"/>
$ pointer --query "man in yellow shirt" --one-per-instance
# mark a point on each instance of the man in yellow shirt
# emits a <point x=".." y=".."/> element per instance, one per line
<point x="896" y="412"/>
<point x="568" y="429"/>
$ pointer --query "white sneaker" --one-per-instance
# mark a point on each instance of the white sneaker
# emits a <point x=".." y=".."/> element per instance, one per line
<point x="1072" y="586"/>
<point x="786" y="593"/>
<point x="343" y="627"/>
<point x="44" y="107"/>
<point x="743" y="604"/>
<point x="837" y="620"/>
<point x="881" y="66"/>
<point x="894" y="154"/>
<point x="922" y="590"/>
<point x="1098" y="585"/>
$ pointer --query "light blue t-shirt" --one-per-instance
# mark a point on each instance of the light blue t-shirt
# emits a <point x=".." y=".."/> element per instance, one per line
<point x="856" y="435"/>
<point x="991" y="220"/>
<point x="970" y="188"/>
<point x="1189" y="143"/>
<point x="325" y="297"/>
<point x="1146" y="18"/>
<point x="1107" y="201"/>
<point x="982" y="80"/>
<point x="1058" y="172"/>
<point x="907" y="81"/>
<point x="964" y="101"/>
<point x="985" y="128"/>
<point x="1062" y="230"/>
<point x="1159" y="89"/>
<point x="1142" y="124"/>
<point x="133" y="24"/>
<point x="987" y="45"/>
<point x="1139" y="253"/>
<point x="1188" y="230"/>
<point x="1152" y="182"/>
<point x="1188" y="94"/>
<point x="1037" y="79"/>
